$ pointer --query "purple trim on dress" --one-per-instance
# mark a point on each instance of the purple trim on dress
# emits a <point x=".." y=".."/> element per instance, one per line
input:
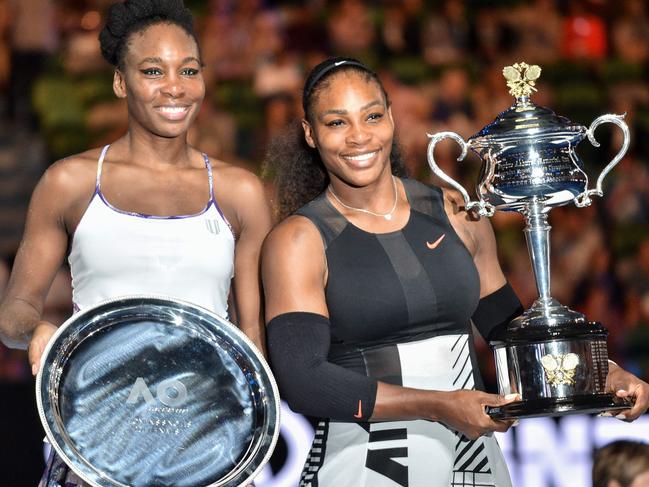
<point x="158" y="217"/>
<point x="154" y="217"/>
<point x="213" y="198"/>
<point x="210" y="202"/>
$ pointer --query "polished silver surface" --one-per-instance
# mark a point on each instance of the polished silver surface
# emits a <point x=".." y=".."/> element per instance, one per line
<point x="530" y="166"/>
<point x="545" y="311"/>
<point x="146" y="390"/>
<point x="529" y="155"/>
<point x="523" y="368"/>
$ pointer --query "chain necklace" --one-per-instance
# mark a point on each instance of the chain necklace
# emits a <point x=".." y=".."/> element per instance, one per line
<point x="387" y="216"/>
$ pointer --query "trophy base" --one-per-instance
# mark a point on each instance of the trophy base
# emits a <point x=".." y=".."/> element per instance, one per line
<point x="559" y="406"/>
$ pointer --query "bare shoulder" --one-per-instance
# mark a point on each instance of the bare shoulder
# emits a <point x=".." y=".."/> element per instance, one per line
<point x="64" y="191"/>
<point x="242" y="197"/>
<point x="295" y="231"/>
<point x="234" y="178"/>
<point x="294" y="269"/>
<point x="72" y="176"/>
<point x="294" y="235"/>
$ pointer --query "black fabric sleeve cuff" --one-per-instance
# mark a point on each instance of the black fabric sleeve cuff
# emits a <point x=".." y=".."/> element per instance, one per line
<point x="495" y="311"/>
<point x="298" y="346"/>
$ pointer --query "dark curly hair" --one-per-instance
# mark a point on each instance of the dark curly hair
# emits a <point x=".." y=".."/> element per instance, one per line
<point x="126" y="18"/>
<point x="297" y="168"/>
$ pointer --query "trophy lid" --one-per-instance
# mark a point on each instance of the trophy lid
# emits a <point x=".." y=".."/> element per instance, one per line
<point x="524" y="119"/>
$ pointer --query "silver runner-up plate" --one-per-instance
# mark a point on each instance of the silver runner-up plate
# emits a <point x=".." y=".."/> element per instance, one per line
<point x="153" y="391"/>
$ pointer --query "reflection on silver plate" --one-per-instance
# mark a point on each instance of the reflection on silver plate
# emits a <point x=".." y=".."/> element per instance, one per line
<point x="153" y="391"/>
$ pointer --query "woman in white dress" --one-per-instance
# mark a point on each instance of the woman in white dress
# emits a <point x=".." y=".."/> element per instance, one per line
<point x="149" y="213"/>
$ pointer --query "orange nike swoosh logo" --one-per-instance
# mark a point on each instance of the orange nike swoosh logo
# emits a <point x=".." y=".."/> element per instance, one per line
<point x="359" y="414"/>
<point x="434" y="245"/>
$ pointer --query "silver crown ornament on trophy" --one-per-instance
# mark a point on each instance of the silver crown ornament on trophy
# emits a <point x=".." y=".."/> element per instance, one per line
<point x="552" y="356"/>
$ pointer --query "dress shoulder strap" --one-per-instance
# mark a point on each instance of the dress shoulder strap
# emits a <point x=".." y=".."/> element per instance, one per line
<point x="425" y="199"/>
<point x="210" y="177"/>
<point x="329" y="222"/>
<point x="100" y="164"/>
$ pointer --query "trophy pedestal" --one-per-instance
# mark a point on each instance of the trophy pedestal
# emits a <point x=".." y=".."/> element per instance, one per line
<point x="557" y="369"/>
<point x="534" y="408"/>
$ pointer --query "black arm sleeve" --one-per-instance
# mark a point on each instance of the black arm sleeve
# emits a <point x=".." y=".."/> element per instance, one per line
<point x="298" y="345"/>
<point x="495" y="311"/>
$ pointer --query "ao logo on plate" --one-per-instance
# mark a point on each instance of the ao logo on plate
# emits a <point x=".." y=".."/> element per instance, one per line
<point x="171" y="392"/>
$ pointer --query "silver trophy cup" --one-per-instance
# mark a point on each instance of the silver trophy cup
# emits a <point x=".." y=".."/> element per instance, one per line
<point x="551" y="355"/>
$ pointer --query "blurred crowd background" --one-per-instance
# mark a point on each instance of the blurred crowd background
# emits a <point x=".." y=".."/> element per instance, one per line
<point x="441" y="63"/>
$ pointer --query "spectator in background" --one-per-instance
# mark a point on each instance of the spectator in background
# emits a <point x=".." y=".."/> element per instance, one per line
<point x="305" y="31"/>
<point x="5" y="53"/>
<point x="33" y="40"/>
<point x="277" y="74"/>
<point x="215" y="132"/>
<point x="576" y="237"/>
<point x="622" y="463"/>
<point x="351" y="28"/>
<point x="627" y="201"/>
<point x="490" y="95"/>
<point x="536" y="42"/>
<point x="634" y="335"/>
<point x="227" y="39"/>
<point x="279" y="111"/>
<point x="584" y="33"/>
<point x="452" y="105"/>
<point x="489" y="35"/>
<point x="411" y="106"/>
<point x="639" y="279"/>
<point x="630" y="32"/>
<point x="446" y="35"/>
<point x="401" y="27"/>
<point x="598" y="295"/>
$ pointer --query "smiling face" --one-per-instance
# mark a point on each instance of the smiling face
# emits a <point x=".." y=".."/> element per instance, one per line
<point x="161" y="80"/>
<point x="352" y="128"/>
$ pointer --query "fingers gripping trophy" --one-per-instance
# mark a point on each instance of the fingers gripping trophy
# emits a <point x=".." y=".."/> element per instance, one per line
<point x="551" y="355"/>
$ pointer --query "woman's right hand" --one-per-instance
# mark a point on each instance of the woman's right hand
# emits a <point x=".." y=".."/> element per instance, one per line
<point x="464" y="411"/>
<point x="40" y="338"/>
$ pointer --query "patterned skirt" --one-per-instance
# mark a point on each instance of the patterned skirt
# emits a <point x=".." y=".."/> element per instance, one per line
<point x="58" y="474"/>
<point x="408" y="453"/>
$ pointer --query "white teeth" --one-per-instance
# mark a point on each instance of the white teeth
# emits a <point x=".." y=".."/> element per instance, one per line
<point x="361" y="157"/>
<point x="173" y="109"/>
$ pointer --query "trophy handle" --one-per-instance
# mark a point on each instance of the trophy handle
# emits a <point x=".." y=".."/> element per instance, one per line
<point x="583" y="199"/>
<point x="483" y="208"/>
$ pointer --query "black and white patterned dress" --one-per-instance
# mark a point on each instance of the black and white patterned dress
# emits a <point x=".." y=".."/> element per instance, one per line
<point x="400" y="305"/>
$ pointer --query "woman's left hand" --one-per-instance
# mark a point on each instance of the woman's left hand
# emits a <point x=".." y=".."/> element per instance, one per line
<point x="626" y="385"/>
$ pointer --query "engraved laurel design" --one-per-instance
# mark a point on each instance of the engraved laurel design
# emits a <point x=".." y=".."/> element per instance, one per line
<point x="560" y="369"/>
<point x="521" y="78"/>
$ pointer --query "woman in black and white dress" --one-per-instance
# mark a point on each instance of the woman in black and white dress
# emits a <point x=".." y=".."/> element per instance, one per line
<point x="371" y="288"/>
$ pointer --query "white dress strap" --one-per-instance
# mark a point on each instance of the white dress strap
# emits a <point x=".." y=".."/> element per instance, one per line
<point x="100" y="163"/>
<point x="210" y="177"/>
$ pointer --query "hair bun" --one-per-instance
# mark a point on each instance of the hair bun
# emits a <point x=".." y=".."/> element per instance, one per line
<point x="125" y="18"/>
